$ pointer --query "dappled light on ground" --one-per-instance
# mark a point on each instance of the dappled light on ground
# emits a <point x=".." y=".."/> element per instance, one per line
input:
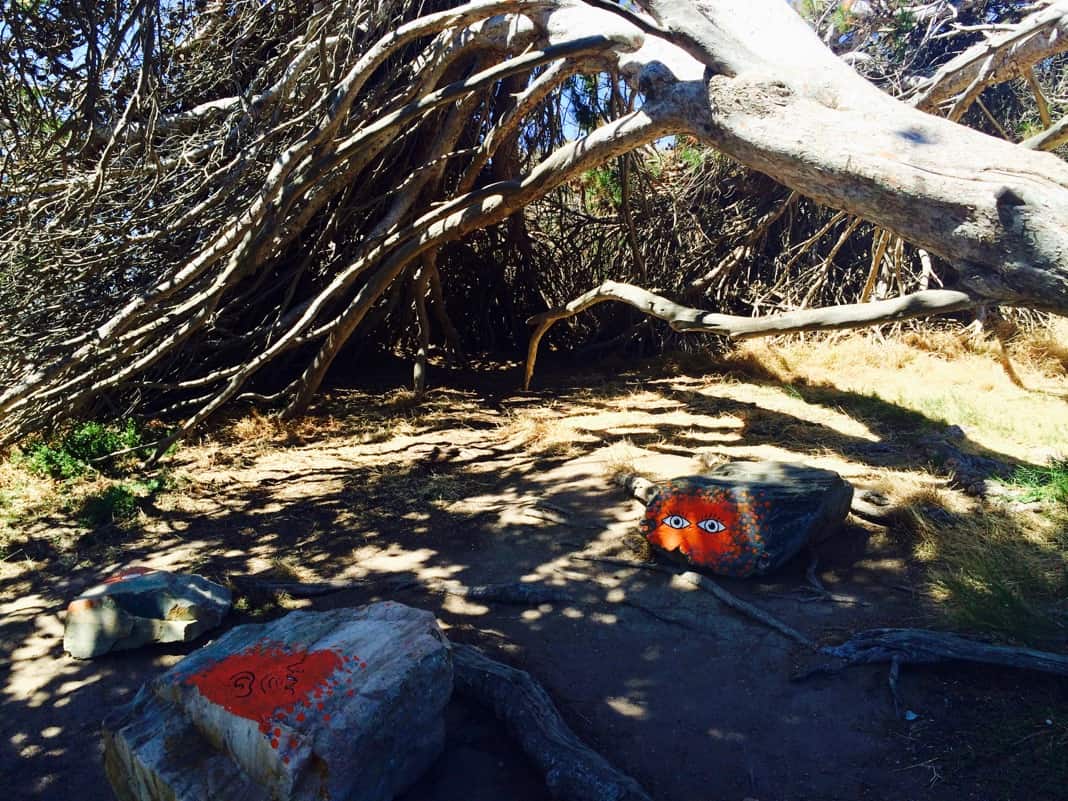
<point x="481" y="486"/>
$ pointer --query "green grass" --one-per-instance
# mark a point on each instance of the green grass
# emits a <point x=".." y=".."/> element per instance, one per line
<point x="999" y="573"/>
<point x="1048" y="484"/>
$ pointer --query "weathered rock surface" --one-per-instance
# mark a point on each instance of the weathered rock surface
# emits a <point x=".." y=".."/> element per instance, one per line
<point x="140" y="606"/>
<point x="746" y="518"/>
<point x="345" y="705"/>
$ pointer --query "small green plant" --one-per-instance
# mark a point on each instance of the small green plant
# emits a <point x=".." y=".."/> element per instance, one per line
<point x="120" y="502"/>
<point x="1048" y="483"/>
<point x="116" y="504"/>
<point x="605" y="187"/>
<point x="692" y="155"/>
<point x="89" y="446"/>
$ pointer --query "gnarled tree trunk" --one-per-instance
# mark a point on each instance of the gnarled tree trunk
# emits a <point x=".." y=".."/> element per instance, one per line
<point x="198" y="237"/>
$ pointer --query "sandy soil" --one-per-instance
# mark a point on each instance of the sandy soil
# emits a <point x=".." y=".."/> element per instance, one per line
<point x="479" y="486"/>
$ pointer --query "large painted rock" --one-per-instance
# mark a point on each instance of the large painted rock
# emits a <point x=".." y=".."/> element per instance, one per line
<point x="746" y="518"/>
<point x="140" y="606"/>
<point x="346" y="704"/>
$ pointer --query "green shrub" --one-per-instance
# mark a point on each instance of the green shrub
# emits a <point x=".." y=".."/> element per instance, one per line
<point x="116" y="504"/>
<point x="120" y="502"/>
<point x="84" y="448"/>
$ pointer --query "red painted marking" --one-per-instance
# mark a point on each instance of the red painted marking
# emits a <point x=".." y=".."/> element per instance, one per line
<point x="255" y="683"/>
<point x="274" y="743"/>
<point x="81" y="604"/>
<point x="128" y="572"/>
<point x="326" y="717"/>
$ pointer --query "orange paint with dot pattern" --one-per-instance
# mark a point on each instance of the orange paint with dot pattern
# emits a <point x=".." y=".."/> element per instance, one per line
<point x="257" y="682"/>
<point x="699" y="544"/>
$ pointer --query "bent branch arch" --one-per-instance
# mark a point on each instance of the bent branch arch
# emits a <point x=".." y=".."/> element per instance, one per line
<point x="198" y="237"/>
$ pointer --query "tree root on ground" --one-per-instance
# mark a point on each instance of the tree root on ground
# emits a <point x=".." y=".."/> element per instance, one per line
<point x="895" y="646"/>
<point x="711" y="587"/>
<point x="925" y="647"/>
<point x="573" y="772"/>
<point x="518" y="593"/>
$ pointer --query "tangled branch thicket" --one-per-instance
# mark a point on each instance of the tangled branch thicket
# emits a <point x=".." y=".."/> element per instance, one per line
<point x="202" y="201"/>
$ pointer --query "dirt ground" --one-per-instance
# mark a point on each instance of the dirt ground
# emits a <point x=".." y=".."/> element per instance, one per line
<point x="483" y="484"/>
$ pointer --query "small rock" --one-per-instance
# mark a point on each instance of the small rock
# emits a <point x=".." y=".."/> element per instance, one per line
<point x="746" y="518"/>
<point x="346" y="704"/>
<point x="139" y="606"/>
<point x="938" y="515"/>
<point x="954" y="434"/>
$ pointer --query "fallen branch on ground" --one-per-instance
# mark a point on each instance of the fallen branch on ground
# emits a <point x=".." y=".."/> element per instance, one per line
<point x="573" y="772"/>
<point x="923" y="647"/>
<point x="901" y="646"/>
<point x="519" y="593"/>
<point x="711" y="587"/>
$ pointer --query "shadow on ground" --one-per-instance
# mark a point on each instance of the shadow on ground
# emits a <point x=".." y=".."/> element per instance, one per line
<point x="671" y="687"/>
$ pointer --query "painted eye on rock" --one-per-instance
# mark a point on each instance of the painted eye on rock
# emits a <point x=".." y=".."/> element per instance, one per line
<point x="676" y="521"/>
<point x="711" y="525"/>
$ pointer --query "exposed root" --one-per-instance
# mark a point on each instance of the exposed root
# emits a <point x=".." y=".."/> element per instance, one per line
<point x="573" y="771"/>
<point x="518" y="593"/>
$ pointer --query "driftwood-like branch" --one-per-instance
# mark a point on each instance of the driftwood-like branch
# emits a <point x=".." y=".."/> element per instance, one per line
<point x="923" y="647"/>
<point x="1050" y="139"/>
<point x="894" y="646"/>
<point x="686" y="319"/>
<point x="1000" y="58"/>
<point x="573" y="771"/>
<point x="518" y="593"/>
<point x="204" y="238"/>
<point x="821" y="129"/>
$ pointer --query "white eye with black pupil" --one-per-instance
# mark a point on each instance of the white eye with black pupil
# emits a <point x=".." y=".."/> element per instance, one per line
<point x="711" y="525"/>
<point x="676" y="521"/>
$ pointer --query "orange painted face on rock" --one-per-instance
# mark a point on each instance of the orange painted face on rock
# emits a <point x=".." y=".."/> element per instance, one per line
<point x="707" y="525"/>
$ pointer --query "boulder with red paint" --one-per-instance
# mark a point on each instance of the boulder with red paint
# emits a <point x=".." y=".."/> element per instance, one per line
<point x="345" y="704"/>
<point x="746" y="518"/>
<point x="138" y="606"/>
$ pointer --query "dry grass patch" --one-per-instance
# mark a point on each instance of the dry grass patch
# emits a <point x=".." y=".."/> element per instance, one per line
<point x="945" y="376"/>
<point x="621" y="458"/>
<point x="541" y="432"/>
<point x="1043" y="350"/>
<point x="24" y="498"/>
<point x="1001" y="572"/>
<point x="990" y="570"/>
